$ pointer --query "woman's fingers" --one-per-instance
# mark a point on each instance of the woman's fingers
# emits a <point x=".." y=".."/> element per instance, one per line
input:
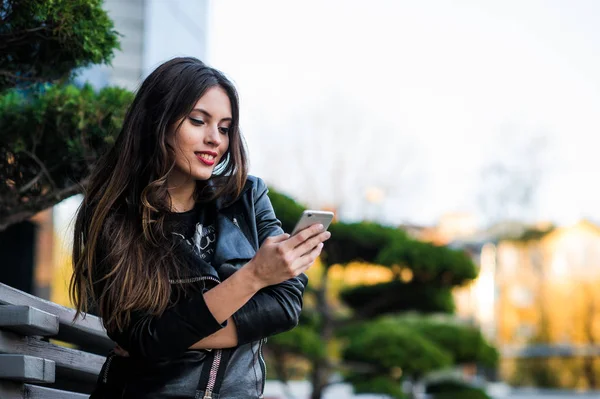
<point x="284" y="257"/>
<point x="302" y="236"/>
<point x="307" y="260"/>
<point x="277" y="239"/>
<point x="311" y="243"/>
<point x="121" y="352"/>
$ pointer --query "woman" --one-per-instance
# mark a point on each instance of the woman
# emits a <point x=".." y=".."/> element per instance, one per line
<point x="179" y="250"/>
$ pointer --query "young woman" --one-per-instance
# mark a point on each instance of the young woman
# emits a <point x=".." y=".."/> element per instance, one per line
<point x="179" y="250"/>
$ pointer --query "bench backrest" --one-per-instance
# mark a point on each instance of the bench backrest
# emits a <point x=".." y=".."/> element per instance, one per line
<point x="44" y="353"/>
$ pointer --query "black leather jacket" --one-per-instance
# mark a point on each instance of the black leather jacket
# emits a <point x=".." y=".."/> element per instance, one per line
<point x="161" y="366"/>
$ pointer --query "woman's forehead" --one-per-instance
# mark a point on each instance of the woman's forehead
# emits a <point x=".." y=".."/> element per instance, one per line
<point x="215" y="103"/>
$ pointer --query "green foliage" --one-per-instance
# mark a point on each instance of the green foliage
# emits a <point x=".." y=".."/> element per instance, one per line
<point x="548" y="372"/>
<point x="397" y="296"/>
<point x="378" y="354"/>
<point x="414" y="345"/>
<point x="44" y="40"/>
<point x="388" y="347"/>
<point x="359" y="241"/>
<point x="489" y="356"/>
<point x="465" y="343"/>
<point x="301" y="340"/>
<point x="372" y="242"/>
<point x="388" y="246"/>
<point x="287" y="210"/>
<point x="376" y="384"/>
<point x="49" y="140"/>
<point x="429" y="262"/>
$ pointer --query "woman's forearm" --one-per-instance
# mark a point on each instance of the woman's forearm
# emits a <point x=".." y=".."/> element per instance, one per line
<point x="225" y="338"/>
<point x="228" y="297"/>
<point x="223" y="301"/>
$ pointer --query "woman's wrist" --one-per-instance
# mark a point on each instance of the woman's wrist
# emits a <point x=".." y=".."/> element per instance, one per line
<point x="248" y="272"/>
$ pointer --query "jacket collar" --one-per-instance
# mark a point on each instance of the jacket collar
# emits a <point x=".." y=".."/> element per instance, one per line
<point x="232" y="242"/>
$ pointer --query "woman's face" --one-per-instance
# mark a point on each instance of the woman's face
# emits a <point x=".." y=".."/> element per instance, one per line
<point x="203" y="138"/>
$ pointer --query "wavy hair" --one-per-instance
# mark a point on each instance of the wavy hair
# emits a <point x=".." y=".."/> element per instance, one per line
<point x="122" y="258"/>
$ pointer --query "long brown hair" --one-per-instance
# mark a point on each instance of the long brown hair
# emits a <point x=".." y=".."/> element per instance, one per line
<point x="122" y="258"/>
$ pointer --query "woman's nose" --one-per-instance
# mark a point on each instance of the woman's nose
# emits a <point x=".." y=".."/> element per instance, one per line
<point x="213" y="136"/>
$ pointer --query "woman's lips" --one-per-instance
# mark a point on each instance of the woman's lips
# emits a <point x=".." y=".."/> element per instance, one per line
<point x="207" y="157"/>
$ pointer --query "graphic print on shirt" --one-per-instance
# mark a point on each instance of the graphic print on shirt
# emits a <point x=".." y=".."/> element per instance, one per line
<point x="204" y="241"/>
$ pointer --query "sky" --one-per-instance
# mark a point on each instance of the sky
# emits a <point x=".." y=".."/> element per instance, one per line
<point x="413" y="101"/>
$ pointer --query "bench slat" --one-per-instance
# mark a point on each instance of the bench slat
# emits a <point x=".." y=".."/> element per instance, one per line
<point x="27" y="368"/>
<point x="87" y="332"/>
<point x="10" y="390"/>
<point x="77" y="364"/>
<point x="28" y="320"/>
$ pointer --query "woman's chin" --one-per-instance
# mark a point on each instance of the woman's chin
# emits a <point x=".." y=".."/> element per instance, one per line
<point x="202" y="176"/>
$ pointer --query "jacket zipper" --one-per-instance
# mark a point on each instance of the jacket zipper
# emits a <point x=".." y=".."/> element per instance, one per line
<point x="214" y="368"/>
<point x="263" y="365"/>
<point x="194" y="280"/>
<point x="212" y="379"/>
<point x="108" y="361"/>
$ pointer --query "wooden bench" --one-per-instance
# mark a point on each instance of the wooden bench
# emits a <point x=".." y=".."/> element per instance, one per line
<point x="33" y="364"/>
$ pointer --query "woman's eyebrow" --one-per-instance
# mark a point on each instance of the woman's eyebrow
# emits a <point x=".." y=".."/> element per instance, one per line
<point x="202" y="111"/>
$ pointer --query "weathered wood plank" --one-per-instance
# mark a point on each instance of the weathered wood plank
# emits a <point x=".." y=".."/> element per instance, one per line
<point x="27" y="368"/>
<point x="10" y="390"/>
<point x="74" y="363"/>
<point x="28" y="320"/>
<point x="86" y="331"/>
<point x="37" y="392"/>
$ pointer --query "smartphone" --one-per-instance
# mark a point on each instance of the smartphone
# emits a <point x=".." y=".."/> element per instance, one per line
<point x="310" y="217"/>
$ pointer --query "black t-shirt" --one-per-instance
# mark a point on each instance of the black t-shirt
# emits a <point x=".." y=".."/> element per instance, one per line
<point x="197" y="227"/>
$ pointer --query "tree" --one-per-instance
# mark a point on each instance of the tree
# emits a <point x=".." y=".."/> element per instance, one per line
<point x="52" y="131"/>
<point x="381" y="351"/>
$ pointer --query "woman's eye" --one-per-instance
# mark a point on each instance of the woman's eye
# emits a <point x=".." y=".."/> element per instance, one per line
<point x="197" y="121"/>
<point x="224" y="130"/>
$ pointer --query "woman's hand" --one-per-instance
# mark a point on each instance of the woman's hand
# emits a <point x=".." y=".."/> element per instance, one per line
<point x="283" y="257"/>
<point x="120" y="351"/>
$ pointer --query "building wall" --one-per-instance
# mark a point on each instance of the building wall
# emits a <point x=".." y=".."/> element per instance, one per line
<point x="127" y="66"/>
<point x="549" y="288"/>
<point x="152" y="31"/>
<point x="543" y="291"/>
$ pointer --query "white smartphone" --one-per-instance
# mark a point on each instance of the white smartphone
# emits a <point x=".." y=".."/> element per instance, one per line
<point x="310" y="217"/>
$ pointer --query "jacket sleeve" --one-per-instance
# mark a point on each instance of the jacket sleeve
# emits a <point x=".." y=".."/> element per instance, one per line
<point x="186" y="321"/>
<point x="276" y="308"/>
<point x="171" y="334"/>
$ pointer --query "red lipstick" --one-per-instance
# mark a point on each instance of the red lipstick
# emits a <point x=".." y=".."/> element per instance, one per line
<point x="208" y="161"/>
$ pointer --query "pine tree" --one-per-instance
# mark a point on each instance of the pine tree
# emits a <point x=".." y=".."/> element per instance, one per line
<point x="397" y="331"/>
<point x="51" y="130"/>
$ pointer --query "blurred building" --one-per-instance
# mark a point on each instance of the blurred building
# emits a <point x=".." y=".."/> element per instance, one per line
<point x="152" y="31"/>
<point x="537" y="297"/>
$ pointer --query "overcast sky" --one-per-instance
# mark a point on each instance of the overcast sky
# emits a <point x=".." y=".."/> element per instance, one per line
<point x="422" y="94"/>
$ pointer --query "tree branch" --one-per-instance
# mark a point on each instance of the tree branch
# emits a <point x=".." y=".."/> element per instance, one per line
<point x="42" y="167"/>
<point x="45" y="202"/>
<point x="24" y="31"/>
<point x="31" y="183"/>
<point x="11" y="75"/>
